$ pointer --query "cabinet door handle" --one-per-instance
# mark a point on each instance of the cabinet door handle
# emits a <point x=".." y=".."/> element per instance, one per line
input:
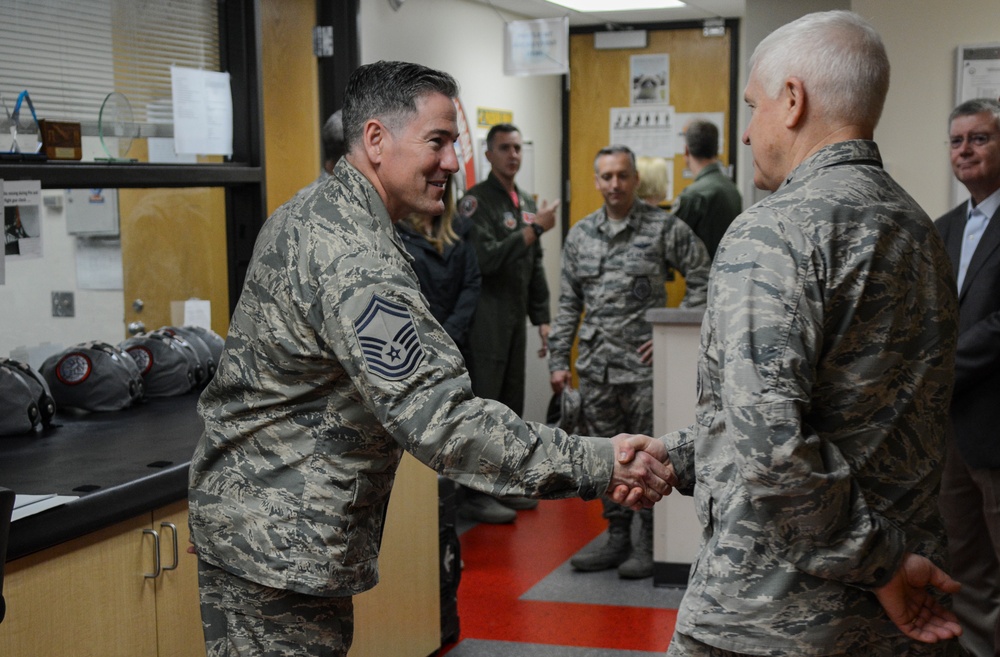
<point x="173" y="532"/>
<point x="156" y="552"/>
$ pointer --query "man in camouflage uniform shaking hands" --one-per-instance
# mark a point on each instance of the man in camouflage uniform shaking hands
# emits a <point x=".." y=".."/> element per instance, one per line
<point x="333" y="366"/>
<point x="824" y="381"/>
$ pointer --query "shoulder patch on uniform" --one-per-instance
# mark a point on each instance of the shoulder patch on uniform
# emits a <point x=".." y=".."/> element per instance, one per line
<point x="467" y="206"/>
<point x="388" y="339"/>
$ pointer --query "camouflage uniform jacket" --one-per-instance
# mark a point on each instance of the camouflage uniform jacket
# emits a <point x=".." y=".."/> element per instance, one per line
<point x="334" y="365"/>
<point x="615" y="278"/>
<point x="513" y="276"/>
<point x="824" y="377"/>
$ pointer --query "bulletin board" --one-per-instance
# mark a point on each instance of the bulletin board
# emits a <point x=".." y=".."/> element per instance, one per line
<point x="700" y="80"/>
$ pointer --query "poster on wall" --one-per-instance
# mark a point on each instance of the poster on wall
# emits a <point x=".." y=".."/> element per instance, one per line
<point x="647" y="131"/>
<point x="650" y="77"/>
<point x="22" y="226"/>
<point x="466" y="176"/>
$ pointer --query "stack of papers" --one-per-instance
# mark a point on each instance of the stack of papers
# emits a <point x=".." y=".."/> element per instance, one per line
<point x="29" y="505"/>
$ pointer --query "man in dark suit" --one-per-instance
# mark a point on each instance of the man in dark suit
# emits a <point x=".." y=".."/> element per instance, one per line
<point x="970" y="487"/>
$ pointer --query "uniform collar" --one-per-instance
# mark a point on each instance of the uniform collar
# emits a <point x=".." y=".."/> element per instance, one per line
<point x="632" y="220"/>
<point x="708" y="169"/>
<point x="363" y="192"/>
<point x="852" y="151"/>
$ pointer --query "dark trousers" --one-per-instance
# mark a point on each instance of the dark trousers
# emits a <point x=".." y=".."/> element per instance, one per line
<point x="970" y="505"/>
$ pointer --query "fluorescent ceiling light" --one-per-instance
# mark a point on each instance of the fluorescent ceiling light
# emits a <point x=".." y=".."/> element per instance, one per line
<point x="616" y="5"/>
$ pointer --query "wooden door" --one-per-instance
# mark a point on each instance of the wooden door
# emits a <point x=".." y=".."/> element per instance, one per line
<point x="291" y="98"/>
<point x="174" y="249"/>
<point x="700" y="82"/>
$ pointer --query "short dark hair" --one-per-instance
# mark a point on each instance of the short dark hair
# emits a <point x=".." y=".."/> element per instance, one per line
<point x="388" y="91"/>
<point x="702" y="138"/>
<point x="334" y="145"/>
<point x="615" y="149"/>
<point x="500" y="127"/>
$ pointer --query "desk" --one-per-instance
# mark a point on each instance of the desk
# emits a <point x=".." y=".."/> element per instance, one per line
<point x="676" y="339"/>
<point x="75" y="574"/>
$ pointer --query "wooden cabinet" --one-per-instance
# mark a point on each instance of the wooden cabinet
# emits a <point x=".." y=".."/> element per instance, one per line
<point x="401" y="616"/>
<point x="90" y="596"/>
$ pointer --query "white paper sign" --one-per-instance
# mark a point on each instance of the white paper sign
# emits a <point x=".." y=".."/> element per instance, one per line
<point x="22" y="200"/>
<point x="646" y="130"/>
<point x="538" y="47"/>
<point x="198" y="312"/>
<point x="203" y="111"/>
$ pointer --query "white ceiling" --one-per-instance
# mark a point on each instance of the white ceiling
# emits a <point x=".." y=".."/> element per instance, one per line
<point x="694" y="10"/>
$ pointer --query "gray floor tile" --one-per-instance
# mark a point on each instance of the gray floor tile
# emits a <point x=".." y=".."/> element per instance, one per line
<point x="602" y="588"/>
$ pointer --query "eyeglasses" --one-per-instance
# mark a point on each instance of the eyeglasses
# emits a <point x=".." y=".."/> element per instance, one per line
<point x="978" y="139"/>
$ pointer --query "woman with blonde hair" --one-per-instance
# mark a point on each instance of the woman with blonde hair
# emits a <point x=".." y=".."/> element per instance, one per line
<point x="446" y="267"/>
<point x="652" y="186"/>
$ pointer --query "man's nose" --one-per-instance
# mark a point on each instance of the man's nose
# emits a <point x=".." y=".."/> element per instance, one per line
<point x="449" y="161"/>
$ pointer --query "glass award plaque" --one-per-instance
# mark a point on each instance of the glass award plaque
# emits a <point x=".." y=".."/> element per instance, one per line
<point x="117" y="128"/>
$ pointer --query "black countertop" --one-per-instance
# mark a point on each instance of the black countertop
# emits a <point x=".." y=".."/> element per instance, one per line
<point x="120" y="464"/>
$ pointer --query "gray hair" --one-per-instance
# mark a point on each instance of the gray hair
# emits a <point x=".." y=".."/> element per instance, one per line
<point x="977" y="106"/>
<point x="334" y="145"/>
<point x="388" y="91"/>
<point x="615" y="149"/>
<point x="840" y="59"/>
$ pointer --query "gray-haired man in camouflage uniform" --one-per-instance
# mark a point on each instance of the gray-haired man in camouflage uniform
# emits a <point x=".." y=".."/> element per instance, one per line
<point x="824" y="380"/>
<point x="614" y="265"/>
<point x="333" y="366"/>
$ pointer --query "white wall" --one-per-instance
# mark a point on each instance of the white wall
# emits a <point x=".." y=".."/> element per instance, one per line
<point x="921" y="37"/>
<point x="466" y="40"/>
<point x="26" y="320"/>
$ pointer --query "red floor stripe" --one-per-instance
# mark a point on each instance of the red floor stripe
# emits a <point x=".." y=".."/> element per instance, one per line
<point x="503" y="561"/>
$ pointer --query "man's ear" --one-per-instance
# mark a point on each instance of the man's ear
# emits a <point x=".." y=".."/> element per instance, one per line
<point x="794" y="97"/>
<point x="373" y="136"/>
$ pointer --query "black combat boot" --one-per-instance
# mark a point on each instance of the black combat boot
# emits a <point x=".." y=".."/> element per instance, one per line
<point x="612" y="553"/>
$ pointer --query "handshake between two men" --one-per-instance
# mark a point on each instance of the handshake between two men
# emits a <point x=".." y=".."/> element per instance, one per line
<point x="643" y="474"/>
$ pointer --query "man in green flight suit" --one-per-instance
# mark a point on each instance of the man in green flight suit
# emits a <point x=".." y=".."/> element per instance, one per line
<point x="710" y="203"/>
<point x="506" y="228"/>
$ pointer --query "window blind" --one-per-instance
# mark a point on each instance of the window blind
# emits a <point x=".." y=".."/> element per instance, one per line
<point x="70" y="56"/>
